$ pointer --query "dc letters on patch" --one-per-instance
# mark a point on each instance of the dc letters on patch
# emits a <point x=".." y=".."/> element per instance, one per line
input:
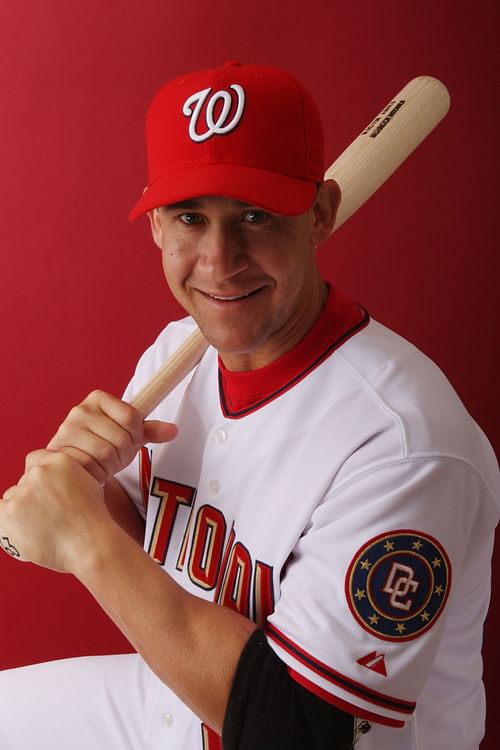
<point x="397" y="584"/>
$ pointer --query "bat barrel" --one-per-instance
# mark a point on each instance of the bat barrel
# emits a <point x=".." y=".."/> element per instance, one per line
<point x="387" y="141"/>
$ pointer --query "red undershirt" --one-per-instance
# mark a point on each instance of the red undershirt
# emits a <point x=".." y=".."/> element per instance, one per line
<point x="244" y="392"/>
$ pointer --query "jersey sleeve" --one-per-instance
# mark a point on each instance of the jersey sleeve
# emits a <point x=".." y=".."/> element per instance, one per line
<point x="365" y="596"/>
<point x="269" y="710"/>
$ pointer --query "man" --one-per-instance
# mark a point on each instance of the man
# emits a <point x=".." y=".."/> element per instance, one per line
<point x="315" y="475"/>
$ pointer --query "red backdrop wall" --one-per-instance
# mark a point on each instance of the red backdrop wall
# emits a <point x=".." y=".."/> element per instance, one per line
<point x="82" y="292"/>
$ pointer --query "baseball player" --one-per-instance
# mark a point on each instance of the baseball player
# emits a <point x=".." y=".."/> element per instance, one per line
<point x="298" y="541"/>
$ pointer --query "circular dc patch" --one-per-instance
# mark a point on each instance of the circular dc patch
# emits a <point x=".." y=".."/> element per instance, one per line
<point x="397" y="584"/>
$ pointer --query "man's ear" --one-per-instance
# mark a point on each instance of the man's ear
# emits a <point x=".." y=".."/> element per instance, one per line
<point x="156" y="228"/>
<point x="325" y="211"/>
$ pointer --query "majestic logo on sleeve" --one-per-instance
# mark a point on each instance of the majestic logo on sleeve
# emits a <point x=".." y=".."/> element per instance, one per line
<point x="397" y="584"/>
<point x="222" y="112"/>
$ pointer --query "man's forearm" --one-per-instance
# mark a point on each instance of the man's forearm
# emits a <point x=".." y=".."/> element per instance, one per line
<point x="123" y="510"/>
<point x="191" y="644"/>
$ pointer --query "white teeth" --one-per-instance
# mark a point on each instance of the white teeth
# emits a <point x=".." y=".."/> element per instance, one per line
<point x="229" y="299"/>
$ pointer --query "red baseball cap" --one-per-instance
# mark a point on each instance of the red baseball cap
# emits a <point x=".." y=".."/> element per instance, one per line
<point x="248" y="132"/>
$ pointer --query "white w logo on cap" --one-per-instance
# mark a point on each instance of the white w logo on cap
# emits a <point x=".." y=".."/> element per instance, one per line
<point x="194" y="104"/>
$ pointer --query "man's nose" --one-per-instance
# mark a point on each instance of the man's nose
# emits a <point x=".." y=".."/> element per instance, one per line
<point x="223" y="253"/>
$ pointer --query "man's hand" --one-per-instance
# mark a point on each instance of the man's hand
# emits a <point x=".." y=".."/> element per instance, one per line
<point x="58" y="506"/>
<point x="54" y="514"/>
<point x="104" y="433"/>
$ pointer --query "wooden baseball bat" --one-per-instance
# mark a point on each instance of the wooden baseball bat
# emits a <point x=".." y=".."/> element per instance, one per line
<point x="359" y="171"/>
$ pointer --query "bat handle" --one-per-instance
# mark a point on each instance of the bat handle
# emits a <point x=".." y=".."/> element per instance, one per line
<point x="175" y="369"/>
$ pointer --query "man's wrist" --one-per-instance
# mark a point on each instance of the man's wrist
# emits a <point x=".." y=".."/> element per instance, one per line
<point x="89" y="558"/>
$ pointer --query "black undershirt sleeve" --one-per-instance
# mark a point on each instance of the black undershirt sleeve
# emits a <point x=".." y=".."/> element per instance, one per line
<point x="268" y="710"/>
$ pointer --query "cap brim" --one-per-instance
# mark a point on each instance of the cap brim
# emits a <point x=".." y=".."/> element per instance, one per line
<point x="268" y="190"/>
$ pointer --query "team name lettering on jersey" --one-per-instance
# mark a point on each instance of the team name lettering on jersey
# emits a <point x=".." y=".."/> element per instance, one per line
<point x="216" y="560"/>
<point x="145" y="456"/>
<point x="210" y="739"/>
<point x="171" y="495"/>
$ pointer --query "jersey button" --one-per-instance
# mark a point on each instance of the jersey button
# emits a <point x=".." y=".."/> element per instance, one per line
<point x="167" y="719"/>
<point x="214" y="486"/>
<point x="221" y="436"/>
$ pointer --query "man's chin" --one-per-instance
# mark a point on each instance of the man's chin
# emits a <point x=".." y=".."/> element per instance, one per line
<point x="237" y="352"/>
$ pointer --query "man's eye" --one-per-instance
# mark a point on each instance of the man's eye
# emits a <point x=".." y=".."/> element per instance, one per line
<point x="255" y="216"/>
<point x="190" y="218"/>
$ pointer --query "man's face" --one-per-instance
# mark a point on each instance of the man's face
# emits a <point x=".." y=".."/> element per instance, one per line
<point x="248" y="277"/>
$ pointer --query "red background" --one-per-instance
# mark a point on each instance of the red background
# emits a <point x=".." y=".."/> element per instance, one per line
<point x="82" y="291"/>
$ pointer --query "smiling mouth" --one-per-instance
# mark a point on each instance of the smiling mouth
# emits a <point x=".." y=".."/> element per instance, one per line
<point x="232" y="298"/>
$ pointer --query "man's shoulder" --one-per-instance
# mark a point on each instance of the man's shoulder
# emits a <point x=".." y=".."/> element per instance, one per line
<point x="376" y="344"/>
<point x="401" y="390"/>
<point x="386" y="363"/>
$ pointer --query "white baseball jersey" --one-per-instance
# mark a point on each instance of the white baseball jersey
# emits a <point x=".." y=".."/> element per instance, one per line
<point x="343" y="498"/>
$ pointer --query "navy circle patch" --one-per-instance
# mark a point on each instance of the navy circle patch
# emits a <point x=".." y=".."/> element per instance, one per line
<point x="397" y="584"/>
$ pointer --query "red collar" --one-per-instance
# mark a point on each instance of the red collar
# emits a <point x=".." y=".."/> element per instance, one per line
<point x="243" y="392"/>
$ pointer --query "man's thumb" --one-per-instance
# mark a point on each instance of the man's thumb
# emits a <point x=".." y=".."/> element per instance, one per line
<point x="159" y="432"/>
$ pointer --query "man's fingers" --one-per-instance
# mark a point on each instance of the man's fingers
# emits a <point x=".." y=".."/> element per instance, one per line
<point x="36" y="458"/>
<point x="120" y="413"/>
<point x="9" y="493"/>
<point x="106" y="416"/>
<point x="82" y="423"/>
<point x="41" y="457"/>
<point x="102" y="432"/>
<point x="159" y="432"/>
<point x="99" y="472"/>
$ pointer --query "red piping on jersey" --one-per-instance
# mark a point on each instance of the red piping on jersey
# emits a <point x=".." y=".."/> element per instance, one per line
<point x="336" y="678"/>
<point x="349" y="708"/>
<point x="242" y="393"/>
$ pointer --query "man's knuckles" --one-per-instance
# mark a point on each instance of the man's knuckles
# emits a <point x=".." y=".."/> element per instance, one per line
<point x="34" y="458"/>
<point x="103" y="415"/>
<point x="47" y="462"/>
<point x="119" y="411"/>
<point x="111" y="454"/>
<point x="87" y="462"/>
